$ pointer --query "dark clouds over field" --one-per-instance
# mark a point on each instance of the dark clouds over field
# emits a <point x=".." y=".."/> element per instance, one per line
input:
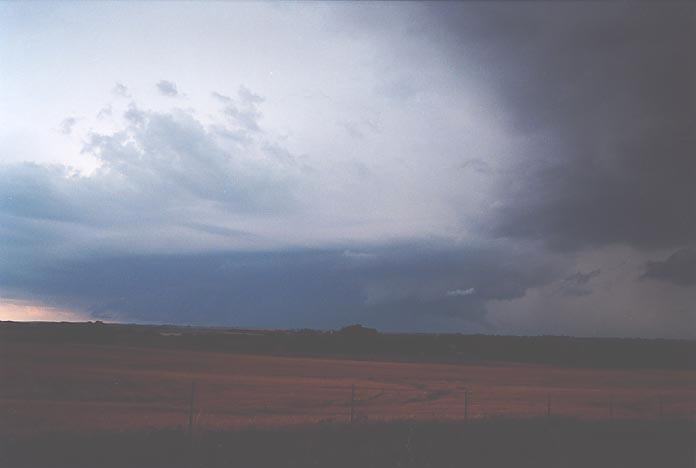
<point x="500" y="168"/>
<point x="405" y="287"/>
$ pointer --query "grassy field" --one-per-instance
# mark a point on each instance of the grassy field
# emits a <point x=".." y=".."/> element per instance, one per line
<point x="70" y="387"/>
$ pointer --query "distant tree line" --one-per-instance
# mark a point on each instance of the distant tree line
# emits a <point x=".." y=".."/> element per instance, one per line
<point x="360" y="342"/>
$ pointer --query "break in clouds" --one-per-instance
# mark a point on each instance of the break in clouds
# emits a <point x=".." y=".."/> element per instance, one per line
<point x="498" y="168"/>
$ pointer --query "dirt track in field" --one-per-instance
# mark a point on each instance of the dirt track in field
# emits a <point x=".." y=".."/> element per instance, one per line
<point x="87" y="387"/>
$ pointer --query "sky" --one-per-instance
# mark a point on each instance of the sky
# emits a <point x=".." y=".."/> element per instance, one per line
<point x="504" y="168"/>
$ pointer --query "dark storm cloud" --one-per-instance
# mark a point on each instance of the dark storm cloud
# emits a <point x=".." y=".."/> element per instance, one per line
<point x="604" y="96"/>
<point x="679" y="268"/>
<point x="167" y="88"/>
<point x="207" y="288"/>
<point x="394" y="288"/>
<point x="427" y="272"/>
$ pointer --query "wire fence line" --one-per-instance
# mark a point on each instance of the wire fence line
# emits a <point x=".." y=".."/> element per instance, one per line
<point x="373" y="403"/>
<point x="206" y="402"/>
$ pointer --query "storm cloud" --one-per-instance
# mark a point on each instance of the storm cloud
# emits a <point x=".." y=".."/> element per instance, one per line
<point x="504" y="167"/>
<point x="605" y="93"/>
<point x="398" y="289"/>
<point x="679" y="268"/>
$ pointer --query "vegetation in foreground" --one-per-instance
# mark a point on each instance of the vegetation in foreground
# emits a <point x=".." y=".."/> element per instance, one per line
<point x="549" y="442"/>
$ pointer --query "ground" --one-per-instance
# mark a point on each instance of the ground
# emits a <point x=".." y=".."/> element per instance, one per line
<point x="81" y="387"/>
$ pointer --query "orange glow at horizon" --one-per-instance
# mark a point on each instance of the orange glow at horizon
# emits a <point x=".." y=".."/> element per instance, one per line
<point x="21" y="311"/>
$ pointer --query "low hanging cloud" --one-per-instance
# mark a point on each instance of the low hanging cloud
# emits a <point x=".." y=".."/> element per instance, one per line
<point x="398" y="289"/>
<point x="679" y="268"/>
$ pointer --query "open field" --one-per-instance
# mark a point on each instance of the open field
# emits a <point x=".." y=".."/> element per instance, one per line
<point x="78" y="387"/>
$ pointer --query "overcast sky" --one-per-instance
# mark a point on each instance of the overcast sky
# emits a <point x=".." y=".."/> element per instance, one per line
<point x="510" y="168"/>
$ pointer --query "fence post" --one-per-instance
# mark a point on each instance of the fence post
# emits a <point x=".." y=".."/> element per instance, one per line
<point x="660" y="410"/>
<point x="466" y="405"/>
<point x="352" y="403"/>
<point x="611" y="406"/>
<point x="191" y="406"/>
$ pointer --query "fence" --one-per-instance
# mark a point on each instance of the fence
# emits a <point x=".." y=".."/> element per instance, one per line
<point x="121" y="388"/>
<point x="373" y="403"/>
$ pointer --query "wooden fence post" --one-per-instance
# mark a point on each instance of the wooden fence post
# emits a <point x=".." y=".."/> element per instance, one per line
<point x="660" y="410"/>
<point x="191" y="407"/>
<point x="611" y="406"/>
<point x="352" y="403"/>
<point x="466" y="405"/>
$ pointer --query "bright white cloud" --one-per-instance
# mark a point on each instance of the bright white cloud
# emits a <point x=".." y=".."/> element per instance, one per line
<point x="461" y="292"/>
